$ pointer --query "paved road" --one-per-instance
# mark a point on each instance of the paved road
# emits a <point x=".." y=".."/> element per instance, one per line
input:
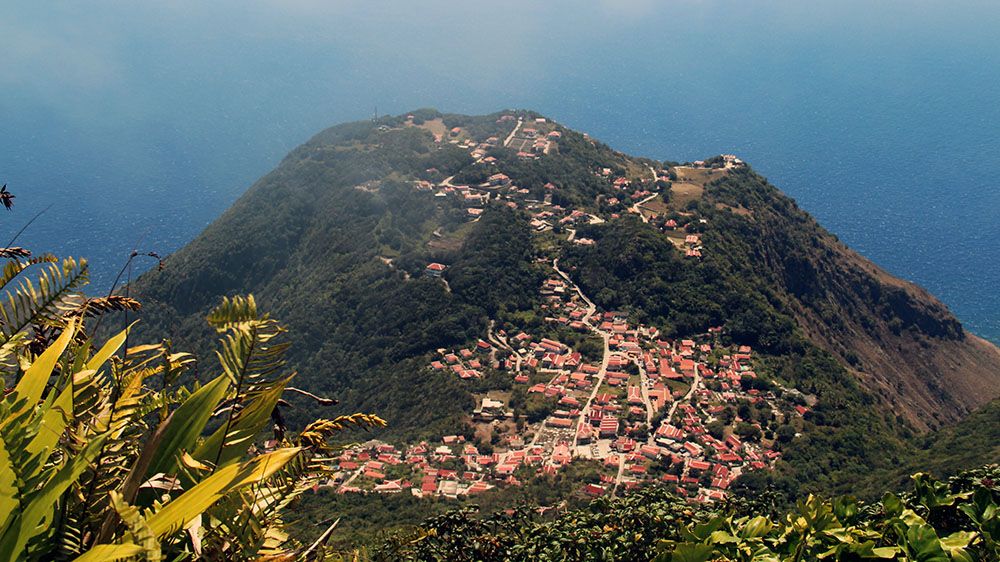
<point x="635" y="208"/>
<point x="621" y="474"/>
<point x="510" y="137"/>
<point x="687" y="397"/>
<point x="605" y="356"/>
<point x="643" y="388"/>
<point x="353" y="477"/>
<point x="591" y="307"/>
<point x="498" y="341"/>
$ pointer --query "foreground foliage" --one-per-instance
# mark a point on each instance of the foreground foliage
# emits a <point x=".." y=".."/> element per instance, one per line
<point x="935" y="521"/>
<point x="106" y="453"/>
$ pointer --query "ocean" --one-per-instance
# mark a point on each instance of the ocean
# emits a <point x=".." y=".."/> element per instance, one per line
<point x="135" y="126"/>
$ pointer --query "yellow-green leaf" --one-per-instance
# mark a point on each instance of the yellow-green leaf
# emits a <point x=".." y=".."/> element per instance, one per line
<point x="42" y="503"/>
<point x="55" y="418"/>
<point x="226" y="447"/>
<point x="187" y="423"/>
<point x="111" y="553"/>
<point x="109" y="348"/>
<point x="177" y="513"/>
<point x="32" y="384"/>
<point x="9" y="505"/>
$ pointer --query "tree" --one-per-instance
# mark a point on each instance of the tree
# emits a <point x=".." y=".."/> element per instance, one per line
<point x="716" y="429"/>
<point x="748" y="431"/>
<point x="785" y="433"/>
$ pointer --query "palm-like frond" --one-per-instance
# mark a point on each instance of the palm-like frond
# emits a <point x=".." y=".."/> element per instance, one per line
<point x="30" y="303"/>
<point x="14" y="267"/>
<point x="103" y="455"/>
<point x="234" y="311"/>
<point x="94" y="307"/>
<point x="14" y="252"/>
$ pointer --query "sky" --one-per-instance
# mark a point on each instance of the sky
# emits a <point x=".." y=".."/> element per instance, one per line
<point x="140" y="122"/>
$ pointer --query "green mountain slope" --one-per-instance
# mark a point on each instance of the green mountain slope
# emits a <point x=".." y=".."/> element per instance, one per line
<point x="335" y="240"/>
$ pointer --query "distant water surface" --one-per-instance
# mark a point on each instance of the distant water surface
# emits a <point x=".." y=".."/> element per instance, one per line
<point x="141" y="124"/>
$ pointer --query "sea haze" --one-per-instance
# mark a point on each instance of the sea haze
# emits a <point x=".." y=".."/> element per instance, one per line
<point x="140" y="124"/>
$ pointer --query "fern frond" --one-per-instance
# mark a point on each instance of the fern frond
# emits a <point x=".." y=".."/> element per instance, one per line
<point x="14" y="252"/>
<point x="234" y="311"/>
<point x="28" y="304"/>
<point x="14" y="267"/>
<point x="316" y="433"/>
<point x="94" y="307"/>
<point x="139" y="532"/>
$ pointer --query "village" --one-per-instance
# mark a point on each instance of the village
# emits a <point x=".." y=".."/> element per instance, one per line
<point x="690" y="414"/>
<point x="680" y="413"/>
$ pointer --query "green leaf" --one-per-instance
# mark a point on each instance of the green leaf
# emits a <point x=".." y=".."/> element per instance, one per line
<point x="226" y="447"/>
<point x="111" y="553"/>
<point x="885" y="551"/>
<point x="756" y="527"/>
<point x="892" y="505"/>
<point x="42" y="503"/>
<point x="109" y="348"/>
<point x="55" y="418"/>
<point x="704" y="530"/>
<point x="29" y="389"/>
<point x="924" y="545"/>
<point x="691" y="552"/>
<point x="177" y="513"/>
<point x="9" y="504"/>
<point x="956" y="543"/>
<point x="186" y="425"/>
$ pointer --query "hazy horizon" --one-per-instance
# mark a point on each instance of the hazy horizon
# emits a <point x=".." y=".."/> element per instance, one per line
<point x="142" y="123"/>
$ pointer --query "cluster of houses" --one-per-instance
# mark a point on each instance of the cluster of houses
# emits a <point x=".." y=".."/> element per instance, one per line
<point x="466" y="363"/>
<point x="450" y="468"/>
<point x="531" y="141"/>
<point x="646" y="409"/>
<point x="535" y="139"/>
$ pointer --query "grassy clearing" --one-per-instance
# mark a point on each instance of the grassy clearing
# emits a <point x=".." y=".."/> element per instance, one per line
<point x="698" y="175"/>
<point x="657" y="206"/>
<point x="741" y="210"/>
<point x="682" y="193"/>
<point x="436" y="127"/>
<point x="451" y="241"/>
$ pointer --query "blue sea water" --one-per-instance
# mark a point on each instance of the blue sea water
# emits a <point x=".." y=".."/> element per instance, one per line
<point x="139" y="124"/>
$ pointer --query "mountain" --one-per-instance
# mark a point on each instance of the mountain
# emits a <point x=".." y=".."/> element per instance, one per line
<point x="817" y="341"/>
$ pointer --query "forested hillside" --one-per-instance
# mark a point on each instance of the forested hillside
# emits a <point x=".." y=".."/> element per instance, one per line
<point x="439" y="270"/>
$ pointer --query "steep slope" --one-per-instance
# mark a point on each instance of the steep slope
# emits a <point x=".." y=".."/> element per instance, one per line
<point x="901" y="342"/>
<point x="335" y="240"/>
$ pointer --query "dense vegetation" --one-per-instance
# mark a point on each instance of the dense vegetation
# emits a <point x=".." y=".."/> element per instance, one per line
<point x="335" y="242"/>
<point x="358" y="330"/>
<point x="634" y="268"/>
<point x="935" y="521"/>
<point x="114" y="451"/>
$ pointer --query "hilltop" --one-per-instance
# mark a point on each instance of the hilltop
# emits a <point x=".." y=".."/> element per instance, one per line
<point x="525" y="297"/>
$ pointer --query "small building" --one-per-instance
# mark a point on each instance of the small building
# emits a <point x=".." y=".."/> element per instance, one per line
<point x="435" y="269"/>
